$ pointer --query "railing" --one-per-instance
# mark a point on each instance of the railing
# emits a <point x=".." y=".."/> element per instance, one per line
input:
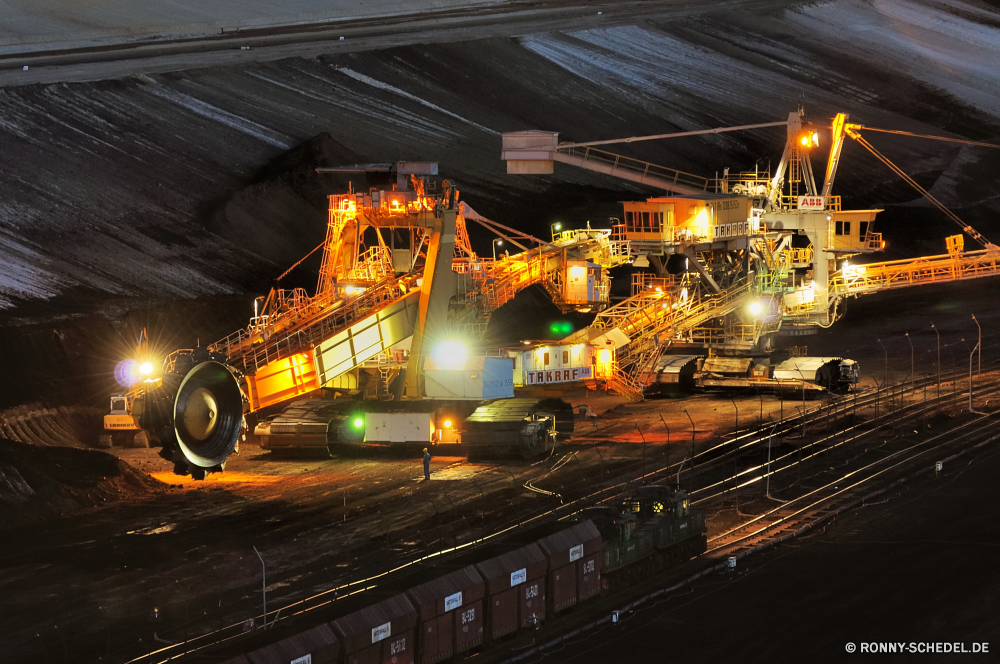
<point x="647" y="281"/>
<point x="874" y="241"/>
<point x="259" y="349"/>
<point x="800" y="255"/>
<point x="873" y="277"/>
<point x="858" y="279"/>
<point x="286" y="303"/>
<point x="374" y="265"/>
<point x="625" y="384"/>
<point x="498" y="281"/>
<point x="644" y="168"/>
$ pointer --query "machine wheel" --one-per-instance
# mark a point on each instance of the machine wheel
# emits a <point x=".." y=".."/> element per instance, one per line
<point x="140" y="440"/>
<point x="104" y="441"/>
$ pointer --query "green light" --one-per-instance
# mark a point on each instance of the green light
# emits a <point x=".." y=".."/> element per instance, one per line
<point x="558" y="227"/>
<point x="359" y="423"/>
<point x="561" y="327"/>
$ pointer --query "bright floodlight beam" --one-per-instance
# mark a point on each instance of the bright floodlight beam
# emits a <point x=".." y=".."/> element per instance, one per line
<point x="146" y="368"/>
<point x="756" y="308"/>
<point x="451" y="354"/>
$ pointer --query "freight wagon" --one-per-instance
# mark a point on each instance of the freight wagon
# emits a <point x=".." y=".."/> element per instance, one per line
<point x="477" y="604"/>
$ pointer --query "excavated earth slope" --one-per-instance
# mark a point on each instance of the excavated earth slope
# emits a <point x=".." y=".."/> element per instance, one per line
<point x="169" y="200"/>
<point x="39" y="482"/>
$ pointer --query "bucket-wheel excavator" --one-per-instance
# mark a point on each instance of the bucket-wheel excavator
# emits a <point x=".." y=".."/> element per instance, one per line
<point x="738" y="258"/>
<point x="401" y="301"/>
<point x="401" y="297"/>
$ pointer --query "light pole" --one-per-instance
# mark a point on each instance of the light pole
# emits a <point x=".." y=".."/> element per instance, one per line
<point x="802" y="379"/>
<point x="954" y="372"/>
<point x="692" y="441"/>
<point x="643" y="453"/>
<point x="939" y="358"/>
<point x="911" y="360"/>
<point x="878" y="393"/>
<point x="886" y="358"/>
<point x="42" y="641"/>
<point x="767" y="491"/>
<point x="735" y="444"/>
<point x="496" y="243"/>
<point x="263" y="568"/>
<point x="668" y="431"/>
<point x="555" y="228"/>
<point x="979" y="370"/>
<point x="970" y="380"/>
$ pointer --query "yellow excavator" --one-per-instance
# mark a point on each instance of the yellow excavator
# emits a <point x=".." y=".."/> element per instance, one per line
<point x="120" y="425"/>
<point x="401" y="303"/>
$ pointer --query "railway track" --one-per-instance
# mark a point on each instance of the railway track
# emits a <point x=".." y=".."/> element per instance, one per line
<point x="830" y="498"/>
<point x="709" y="481"/>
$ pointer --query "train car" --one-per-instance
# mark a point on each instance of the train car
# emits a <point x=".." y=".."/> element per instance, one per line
<point x="318" y="645"/>
<point x="515" y="590"/>
<point x="574" y="559"/>
<point x="472" y="605"/>
<point x="450" y="614"/>
<point x="380" y="634"/>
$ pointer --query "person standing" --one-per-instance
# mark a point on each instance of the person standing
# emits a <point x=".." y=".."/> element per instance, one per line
<point x="427" y="464"/>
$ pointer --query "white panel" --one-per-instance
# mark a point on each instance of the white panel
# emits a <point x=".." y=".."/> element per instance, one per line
<point x="398" y="427"/>
<point x="365" y="339"/>
<point x="498" y="378"/>
<point x="453" y="601"/>
<point x="520" y="576"/>
<point x="381" y="632"/>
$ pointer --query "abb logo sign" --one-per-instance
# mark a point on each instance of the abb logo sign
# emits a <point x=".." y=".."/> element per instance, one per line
<point x="812" y="202"/>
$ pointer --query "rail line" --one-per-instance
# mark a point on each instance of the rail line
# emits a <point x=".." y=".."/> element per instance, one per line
<point x="806" y="508"/>
<point x="709" y="462"/>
